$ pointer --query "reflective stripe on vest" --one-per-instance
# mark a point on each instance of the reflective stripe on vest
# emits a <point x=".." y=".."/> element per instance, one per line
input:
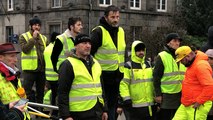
<point x="143" y="104"/>
<point x="51" y="75"/>
<point x="85" y="89"/>
<point x="110" y="57"/>
<point x="29" y="61"/>
<point x="67" y="46"/>
<point x="173" y="76"/>
<point x="135" y="82"/>
<point x="85" y="86"/>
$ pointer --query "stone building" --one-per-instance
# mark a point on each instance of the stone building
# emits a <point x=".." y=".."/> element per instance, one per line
<point x="135" y="15"/>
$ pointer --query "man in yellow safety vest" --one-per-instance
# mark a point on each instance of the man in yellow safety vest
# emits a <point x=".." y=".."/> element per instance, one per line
<point x="167" y="78"/>
<point x="80" y="94"/>
<point x="32" y="45"/>
<point x="108" y="47"/>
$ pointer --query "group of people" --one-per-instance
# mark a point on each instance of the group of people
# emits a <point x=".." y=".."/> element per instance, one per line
<point x="89" y="75"/>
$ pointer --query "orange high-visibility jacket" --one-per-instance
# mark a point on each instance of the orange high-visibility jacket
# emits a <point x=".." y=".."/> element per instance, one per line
<point x="197" y="85"/>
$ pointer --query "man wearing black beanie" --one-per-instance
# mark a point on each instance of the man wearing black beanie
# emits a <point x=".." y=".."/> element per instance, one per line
<point x="32" y="44"/>
<point x="80" y="95"/>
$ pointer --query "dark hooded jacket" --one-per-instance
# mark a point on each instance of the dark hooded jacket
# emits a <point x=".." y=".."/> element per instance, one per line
<point x="96" y="37"/>
<point x="209" y="44"/>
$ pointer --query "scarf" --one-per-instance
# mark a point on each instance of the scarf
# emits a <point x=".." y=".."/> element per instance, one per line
<point x="5" y="71"/>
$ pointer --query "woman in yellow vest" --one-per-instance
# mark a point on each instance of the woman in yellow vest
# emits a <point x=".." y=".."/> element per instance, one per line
<point x="9" y="82"/>
<point x="80" y="95"/>
<point x="136" y="88"/>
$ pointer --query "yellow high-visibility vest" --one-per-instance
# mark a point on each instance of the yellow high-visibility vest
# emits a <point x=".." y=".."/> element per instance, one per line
<point x="9" y="94"/>
<point x="86" y="88"/>
<point x="173" y="75"/>
<point x="108" y="55"/>
<point x="29" y="61"/>
<point x="67" y="46"/>
<point x="137" y="85"/>
<point x="51" y="75"/>
<point x="47" y="97"/>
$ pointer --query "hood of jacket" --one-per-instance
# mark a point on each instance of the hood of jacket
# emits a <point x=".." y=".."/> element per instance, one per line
<point x="108" y="27"/>
<point x="135" y="58"/>
<point x="200" y="56"/>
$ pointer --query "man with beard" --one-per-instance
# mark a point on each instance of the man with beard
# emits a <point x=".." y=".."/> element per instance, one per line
<point x="64" y="42"/>
<point x="197" y="86"/>
<point x="136" y="88"/>
<point x="80" y="94"/>
<point x="167" y="77"/>
<point x="108" y="47"/>
<point x="32" y="45"/>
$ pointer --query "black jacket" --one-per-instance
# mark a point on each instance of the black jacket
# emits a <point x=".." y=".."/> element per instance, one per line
<point x="57" y="49"/>
<point x="66" y="77"/>
<point x="10" y="114"/>
<point x="170" y="101"/>
<point x="159" y="70"/>
<point x="109" y="77"/>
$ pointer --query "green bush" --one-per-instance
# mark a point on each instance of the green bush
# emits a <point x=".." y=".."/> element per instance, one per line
<point x="195" y="41"/>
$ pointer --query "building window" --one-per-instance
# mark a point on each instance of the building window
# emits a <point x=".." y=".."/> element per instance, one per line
<point x="135" y="4"/>
<point x="161" y="5"/>
<point x="56" y="3"/>
<point x="10" y="5"/>
<point x="105" y="2"/>
<point x="136" y="32"/>
<point x="54" y="28"/>
<point x="9" y="33"/>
